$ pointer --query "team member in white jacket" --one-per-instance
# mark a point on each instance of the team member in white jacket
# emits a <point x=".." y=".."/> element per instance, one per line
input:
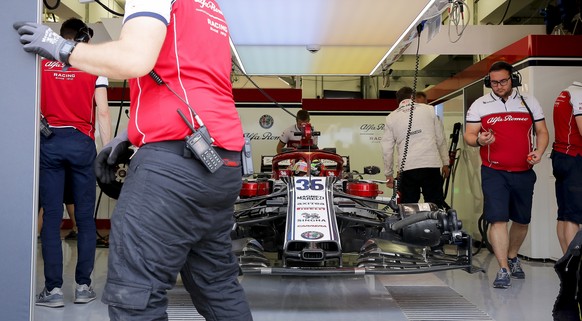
<point x="426" y="160"/>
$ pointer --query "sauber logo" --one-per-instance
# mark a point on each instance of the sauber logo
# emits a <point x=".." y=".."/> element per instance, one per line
<point x="310" y="198"/>
<point x="499" y="119"/>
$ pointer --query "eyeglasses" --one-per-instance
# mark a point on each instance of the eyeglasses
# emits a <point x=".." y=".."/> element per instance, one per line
<point x="502" y="82"/>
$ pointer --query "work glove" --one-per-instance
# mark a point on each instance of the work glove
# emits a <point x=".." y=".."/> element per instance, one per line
<point x="108" y="158"/>
<point x="42" y="40"/>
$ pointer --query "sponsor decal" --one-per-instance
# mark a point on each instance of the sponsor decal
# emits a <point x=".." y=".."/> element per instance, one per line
<point x="266" y="121"/>
<point x="208" y="4"/>
<point x="364" y="128"/>
<point x="63" y="76"/>
<point x="506" y="118"/>
<point x="217" y="26"/>
<point x="310" y="216"/>
<point x="53" y="64"/>
<point x="310" y="203"/>
<point x="312" y="235"/>
<point x="263" y="136"/>
<point x="310" y="198"/>
<point x="374" y="132"/>
<point x="311" y="209"/>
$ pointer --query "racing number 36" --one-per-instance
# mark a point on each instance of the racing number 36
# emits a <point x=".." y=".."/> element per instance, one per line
<point x="312" y="184"/>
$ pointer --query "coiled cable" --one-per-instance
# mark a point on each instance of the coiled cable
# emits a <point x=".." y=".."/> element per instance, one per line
<point x="410" y="118"/>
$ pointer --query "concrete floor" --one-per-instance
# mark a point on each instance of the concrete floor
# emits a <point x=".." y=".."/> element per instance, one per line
<point x="449" y="295"/>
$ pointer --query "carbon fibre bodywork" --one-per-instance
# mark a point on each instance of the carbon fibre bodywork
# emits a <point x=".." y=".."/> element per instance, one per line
<point x="333" y="224"/>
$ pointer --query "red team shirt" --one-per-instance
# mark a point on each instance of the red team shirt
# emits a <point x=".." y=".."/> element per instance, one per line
<point x="567" y="107"/>
<point x="67" y="97"/>
<point x="512" y="126"/>
<point x="202" y="79"/>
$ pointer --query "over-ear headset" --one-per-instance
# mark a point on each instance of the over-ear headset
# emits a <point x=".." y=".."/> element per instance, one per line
<point x="77" y="30"/>
<point x="84" y="34"/>
<point x="502" y="65"/>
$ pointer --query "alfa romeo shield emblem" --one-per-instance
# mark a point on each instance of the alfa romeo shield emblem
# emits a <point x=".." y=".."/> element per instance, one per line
<point x="266" y="121"/>
<point x="311" y="235"/>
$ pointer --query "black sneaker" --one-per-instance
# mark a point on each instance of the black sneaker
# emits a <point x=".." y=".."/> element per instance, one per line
<point x="502" y="280"/>
<point x="515" y="268"/>
<point x="71" y="236"/>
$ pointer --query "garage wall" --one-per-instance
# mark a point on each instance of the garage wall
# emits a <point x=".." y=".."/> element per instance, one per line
<point x="19" y="166"/>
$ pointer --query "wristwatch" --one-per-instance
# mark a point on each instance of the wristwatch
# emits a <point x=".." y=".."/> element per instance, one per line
<point x="66" y="51"/>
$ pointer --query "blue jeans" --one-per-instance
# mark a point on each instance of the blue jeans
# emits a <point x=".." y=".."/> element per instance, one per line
<point x="172" y="214"/>
<point x="72" y="152"/>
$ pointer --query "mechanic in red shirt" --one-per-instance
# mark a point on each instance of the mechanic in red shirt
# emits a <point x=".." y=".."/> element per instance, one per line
<point x="500" y="123"/>
<point x="70" y="102"/>
<point x="173" y="213"/>
<point x="567" y="162"/>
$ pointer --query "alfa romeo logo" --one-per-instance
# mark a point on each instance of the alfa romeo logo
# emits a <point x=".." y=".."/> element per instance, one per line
<point x="312" y="235"/>
<point x="266" y="121"/>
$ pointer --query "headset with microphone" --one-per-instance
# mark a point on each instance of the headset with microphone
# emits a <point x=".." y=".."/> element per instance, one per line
<point x="514" y="74"/>
<point x="515" y="77"/>
<point x="77" y="30"/>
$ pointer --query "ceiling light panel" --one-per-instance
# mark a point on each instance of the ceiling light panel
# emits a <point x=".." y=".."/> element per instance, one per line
<point x="271" y="36"/>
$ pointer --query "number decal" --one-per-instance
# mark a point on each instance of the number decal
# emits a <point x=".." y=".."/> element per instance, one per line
<point x="313" y="184"/>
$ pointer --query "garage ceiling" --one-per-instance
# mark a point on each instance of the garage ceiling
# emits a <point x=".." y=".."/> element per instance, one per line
<point x="272" y="37"/>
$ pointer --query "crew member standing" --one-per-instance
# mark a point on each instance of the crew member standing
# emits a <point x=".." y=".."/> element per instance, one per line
<point x="567" y="162"/>
<point x="426" y="157"/>
<point x="67" y="104"/>
<point x="501" y="123"/>
<point x="172" y="212"/>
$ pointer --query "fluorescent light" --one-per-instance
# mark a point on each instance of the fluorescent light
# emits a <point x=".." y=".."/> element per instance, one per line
<point x="404" y="34"/>
<point x="285" y="81"/>
<point x="236" y="56"/>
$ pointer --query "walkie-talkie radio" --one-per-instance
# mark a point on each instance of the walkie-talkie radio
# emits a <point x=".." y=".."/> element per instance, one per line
<point x="45" y="130"/>
<point x="200" y="143"/>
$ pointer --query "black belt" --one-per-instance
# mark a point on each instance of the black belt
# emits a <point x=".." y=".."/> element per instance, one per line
<point x="178" y="147"/>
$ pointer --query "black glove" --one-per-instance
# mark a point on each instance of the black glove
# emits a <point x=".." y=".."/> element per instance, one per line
<point x="107" y="159"/>
<point x="42" y="40"/>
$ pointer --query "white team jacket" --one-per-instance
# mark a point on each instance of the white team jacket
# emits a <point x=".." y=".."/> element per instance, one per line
<point x="427" y="146"/>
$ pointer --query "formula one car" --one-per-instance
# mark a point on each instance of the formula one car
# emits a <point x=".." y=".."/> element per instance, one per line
<point x="309" y="217"/>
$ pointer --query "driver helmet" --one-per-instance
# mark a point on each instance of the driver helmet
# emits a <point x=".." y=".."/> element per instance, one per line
<point x="316" y="167"/>
<point x="300" y="168"/>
